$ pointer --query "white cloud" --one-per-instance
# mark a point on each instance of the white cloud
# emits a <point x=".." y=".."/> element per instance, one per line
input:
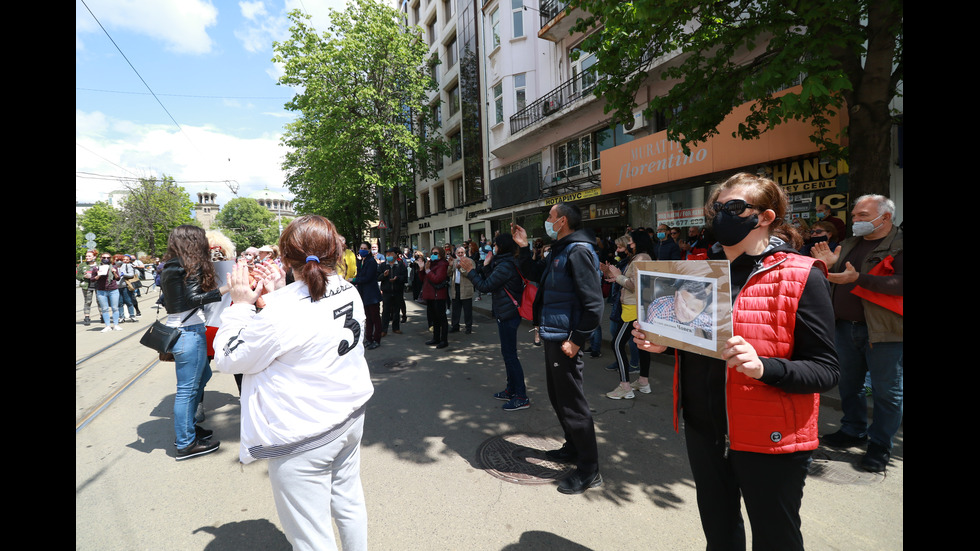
<point x="180" y="24"/>
<point x="109" y="151"/>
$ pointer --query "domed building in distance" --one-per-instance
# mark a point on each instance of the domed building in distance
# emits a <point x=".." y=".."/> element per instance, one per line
<point x="275" y="202"/>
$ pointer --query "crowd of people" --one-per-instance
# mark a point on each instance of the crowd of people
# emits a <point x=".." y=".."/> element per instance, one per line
<point x="810" y="309"/>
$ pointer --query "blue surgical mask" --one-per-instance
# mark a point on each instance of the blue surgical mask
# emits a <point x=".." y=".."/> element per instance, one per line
<point x="549" y="228"/>
<point x="364" y="252"/>
<point x="390" y="258"/>
<point x="434" y="257"/>
<point x="661" y="235"/>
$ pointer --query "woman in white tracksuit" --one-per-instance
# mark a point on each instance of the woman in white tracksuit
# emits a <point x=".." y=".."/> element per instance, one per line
<point x="305" y="385"/>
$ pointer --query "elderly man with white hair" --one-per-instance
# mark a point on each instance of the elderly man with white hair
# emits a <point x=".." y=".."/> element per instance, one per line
<point x="867" y="273"/>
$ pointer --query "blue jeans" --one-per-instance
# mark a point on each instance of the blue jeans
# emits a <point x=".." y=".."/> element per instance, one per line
<point x="596" y="340"/>
<point x="193" y="373"/>
<point x="107" y="300"/>
<point x="884" y="362"/>
<point x="126" y="300"/>
<point x="507" y="329"/>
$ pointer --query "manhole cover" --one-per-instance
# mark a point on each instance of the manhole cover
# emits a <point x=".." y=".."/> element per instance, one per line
<point x="841" y="467"/>
<point x="400" y="365"/>
<point x="520" y="458"/>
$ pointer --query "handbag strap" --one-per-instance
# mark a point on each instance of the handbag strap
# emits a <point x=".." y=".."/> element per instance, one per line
<point x="189" y="315"/>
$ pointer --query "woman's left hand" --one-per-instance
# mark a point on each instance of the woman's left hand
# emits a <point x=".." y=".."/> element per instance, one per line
<point x="239" y="286"/>
<point x="741" y="355"/>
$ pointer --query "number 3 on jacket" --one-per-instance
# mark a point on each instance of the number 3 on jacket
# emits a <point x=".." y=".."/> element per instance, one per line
<point x="347" y="311"/>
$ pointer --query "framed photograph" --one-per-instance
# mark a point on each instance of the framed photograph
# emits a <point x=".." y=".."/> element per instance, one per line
<point x="685" y="304"/>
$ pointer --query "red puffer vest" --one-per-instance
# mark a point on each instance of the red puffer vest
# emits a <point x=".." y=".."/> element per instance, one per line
<point x="763" y="418"/>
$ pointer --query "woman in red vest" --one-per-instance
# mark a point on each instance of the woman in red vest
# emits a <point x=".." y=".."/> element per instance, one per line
<point x="750" y="420"/>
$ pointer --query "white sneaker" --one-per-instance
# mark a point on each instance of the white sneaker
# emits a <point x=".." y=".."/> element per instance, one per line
<point x="645" y="389"/>
<point x="106" y="330"/>
<point x="620" y="393"/>
<point x="116" y="328"/>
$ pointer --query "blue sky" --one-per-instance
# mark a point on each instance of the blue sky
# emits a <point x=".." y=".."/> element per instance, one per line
<point x="208" y="62"/>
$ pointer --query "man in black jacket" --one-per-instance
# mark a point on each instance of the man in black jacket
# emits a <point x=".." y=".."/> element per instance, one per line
<point x="567" y="308"/>
<point x="393" y="277"/>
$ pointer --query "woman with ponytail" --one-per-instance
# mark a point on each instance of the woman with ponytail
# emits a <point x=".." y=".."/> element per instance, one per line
<point x="306" y="384"/>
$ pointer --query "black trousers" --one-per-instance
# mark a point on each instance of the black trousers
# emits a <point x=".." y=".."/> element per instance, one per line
<point x="436" y="309"/>
<point x="390" y="312"/>
<point x="770" y="484"/>
<point x="564" y="378"/>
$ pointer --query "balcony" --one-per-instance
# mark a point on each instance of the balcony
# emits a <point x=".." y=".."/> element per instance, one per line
<point x="555" y="24"/>
<point x="568" y="93"/>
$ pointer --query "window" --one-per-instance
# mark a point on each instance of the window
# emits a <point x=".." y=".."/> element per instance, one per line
<point x="575" y="157"/>
<point x="454" y="100"/>
<point x="449" y="8"/>
<point x="498" y="103"/>
<point x="494" y="29"/>
<point x="451" y="57"/>
<point x="459" y="199"/>
<point x="517" y="11"/>
<point x="583" y="75"/>
<point x="436" y="115"/>
<point x="431" y="31"/>
<point x="520" y="91"/>
<point x="426" y="207"/>
<point x="440" y="193"/>
<point x="455" y="147"/>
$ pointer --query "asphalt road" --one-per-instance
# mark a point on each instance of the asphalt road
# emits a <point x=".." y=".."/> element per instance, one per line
<point x="443" y="466"/>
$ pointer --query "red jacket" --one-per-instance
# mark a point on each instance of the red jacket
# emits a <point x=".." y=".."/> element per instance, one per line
<point x="438" y="273"/>
<point x="761" y="417"/>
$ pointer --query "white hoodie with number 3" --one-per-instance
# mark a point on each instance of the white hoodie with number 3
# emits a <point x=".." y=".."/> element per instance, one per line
<point x="303" y="363"/>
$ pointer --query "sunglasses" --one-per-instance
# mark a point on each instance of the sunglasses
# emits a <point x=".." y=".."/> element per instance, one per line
<point x="735" y="207"/>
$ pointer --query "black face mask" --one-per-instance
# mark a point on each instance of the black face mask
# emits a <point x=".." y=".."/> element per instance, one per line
<point x="730" y="229"/>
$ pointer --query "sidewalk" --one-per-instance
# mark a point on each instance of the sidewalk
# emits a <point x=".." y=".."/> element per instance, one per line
<point x="432" y="429"/>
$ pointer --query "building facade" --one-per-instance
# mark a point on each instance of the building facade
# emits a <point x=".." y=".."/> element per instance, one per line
<point x="443" y="209"/>
<point x="547" y="138"/>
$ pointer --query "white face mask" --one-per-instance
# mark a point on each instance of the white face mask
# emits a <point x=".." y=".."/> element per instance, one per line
<point x="862" y="228"/>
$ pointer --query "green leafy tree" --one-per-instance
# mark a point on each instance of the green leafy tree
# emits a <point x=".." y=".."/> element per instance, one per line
<point x="849" y="53"/>
<point x="363" y="128"/>
<point x="102" y="220"/>
<point x="247" y="224"/>
<point x="153" y="208"/>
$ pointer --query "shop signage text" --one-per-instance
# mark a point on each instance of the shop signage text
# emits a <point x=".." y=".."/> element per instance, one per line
<point x="576" y="196"/>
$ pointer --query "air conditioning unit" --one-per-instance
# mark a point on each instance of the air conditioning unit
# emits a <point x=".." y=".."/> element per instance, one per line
<point x="638" y="123"/>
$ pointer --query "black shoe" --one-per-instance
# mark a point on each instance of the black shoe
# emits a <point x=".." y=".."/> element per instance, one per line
<point x="597" y="354"/>
<point x="564" y="454"/>
<point x="537" y="343"/>
<point x="373" y="345"/>
<point x="199" y="447"/>
<point x="841" y="439"/>
<point x="876" y="459"/>
<point x="576" y="483"/>
<point x="432" y="342"/>
<point x="404" y="319"/>
<point x="88" y="321"/>
<point x="200" y="433"/>
<point x="469" y="330"/>
<point x="443" y="344"/>
<point x="454" y="329"/>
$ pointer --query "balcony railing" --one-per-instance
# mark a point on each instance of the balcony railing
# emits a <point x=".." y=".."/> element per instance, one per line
<point x="550" y="9"/>
<point x="567" y="93"/>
